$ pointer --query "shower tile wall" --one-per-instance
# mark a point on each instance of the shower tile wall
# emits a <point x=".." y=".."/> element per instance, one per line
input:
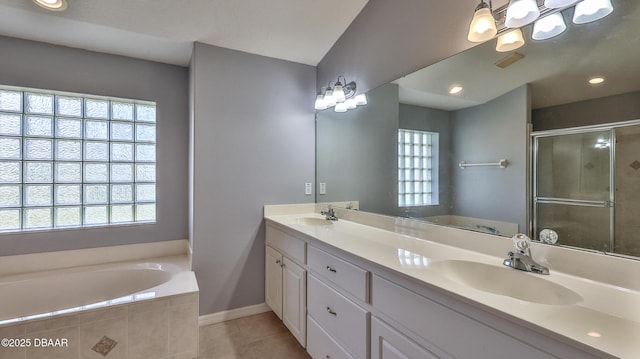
<point x="627" y="227"/>
<point x="164" y="328"/>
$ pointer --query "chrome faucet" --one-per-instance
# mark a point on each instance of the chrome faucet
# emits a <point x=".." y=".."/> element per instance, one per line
<point x="329" y="214"/>
<point x="522" y="258"/>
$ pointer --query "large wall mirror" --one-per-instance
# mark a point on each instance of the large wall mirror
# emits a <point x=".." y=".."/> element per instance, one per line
<point x="527" y="144"/>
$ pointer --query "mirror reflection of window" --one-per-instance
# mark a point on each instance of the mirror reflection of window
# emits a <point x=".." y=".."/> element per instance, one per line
<point x="417" y="168"/>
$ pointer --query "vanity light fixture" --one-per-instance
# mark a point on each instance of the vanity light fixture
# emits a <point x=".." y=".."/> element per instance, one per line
<point x="510" y="41"/>
<point x="549" y="21"/>
<point x="591" y="10"/>
<point x="53" y="5"/>
<point x="341" y="96"/>
<point x="548" y="27"/>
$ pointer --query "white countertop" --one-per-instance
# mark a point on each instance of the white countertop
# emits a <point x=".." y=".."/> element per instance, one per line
<point x="606" y="318"/>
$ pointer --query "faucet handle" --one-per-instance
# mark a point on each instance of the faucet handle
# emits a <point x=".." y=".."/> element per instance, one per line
<point x="521" y="242"/>
<point x="548" y="236"/>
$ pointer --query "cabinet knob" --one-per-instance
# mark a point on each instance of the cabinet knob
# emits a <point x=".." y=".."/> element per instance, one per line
<point x="282" y="265"/>
<point x="330" y="311"/>
<point x="278" y="261"/>
<point x="331" y="269"/>
<point x="328" y="357"/>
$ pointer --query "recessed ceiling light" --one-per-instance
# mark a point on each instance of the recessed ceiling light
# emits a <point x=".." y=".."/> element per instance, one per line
<point x="594" y="334"/>
<point x="596" y="80"/>
<point x="455" y="90"/>
<point x="54" y="5"/>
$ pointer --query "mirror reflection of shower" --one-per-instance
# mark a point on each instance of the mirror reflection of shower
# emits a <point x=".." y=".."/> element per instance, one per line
<point x="587" y="186"/>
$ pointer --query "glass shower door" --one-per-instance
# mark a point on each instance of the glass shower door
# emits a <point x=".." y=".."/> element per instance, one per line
<point x="572" y="188"/>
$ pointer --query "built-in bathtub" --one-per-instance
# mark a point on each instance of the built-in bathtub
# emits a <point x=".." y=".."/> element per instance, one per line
<point x="475" y="224"/>
<point x="136" y="306"/>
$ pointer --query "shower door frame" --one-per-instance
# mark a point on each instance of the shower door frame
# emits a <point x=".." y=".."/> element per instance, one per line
<point x="610" y="203"/>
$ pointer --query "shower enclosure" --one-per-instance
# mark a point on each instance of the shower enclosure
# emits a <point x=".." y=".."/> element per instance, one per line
<point x="586" y="186"/>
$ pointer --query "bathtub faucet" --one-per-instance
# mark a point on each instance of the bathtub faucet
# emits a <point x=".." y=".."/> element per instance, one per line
<point x="492" y="230"/>
<point x="522" y="258"/>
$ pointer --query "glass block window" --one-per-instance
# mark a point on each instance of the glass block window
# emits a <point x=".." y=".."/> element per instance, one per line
<point x="417" y="168"/>
<point x="73" y="160"/>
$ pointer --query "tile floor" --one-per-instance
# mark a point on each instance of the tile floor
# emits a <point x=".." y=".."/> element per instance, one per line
<point x="261" y="336"/>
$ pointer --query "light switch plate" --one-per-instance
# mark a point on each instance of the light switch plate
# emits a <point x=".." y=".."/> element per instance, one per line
<point x="308" y="188"/>
<point x="323" y="188"/>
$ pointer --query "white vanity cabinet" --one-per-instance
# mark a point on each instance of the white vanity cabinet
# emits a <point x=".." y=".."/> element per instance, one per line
<point x="359" y="300"/>
<point x="443" y="331"/>
<point x="339" y="325"/>
<point x="286" y="281"/>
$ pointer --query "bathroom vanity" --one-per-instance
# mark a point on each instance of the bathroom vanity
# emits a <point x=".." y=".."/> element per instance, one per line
<point x="372" y="286"/>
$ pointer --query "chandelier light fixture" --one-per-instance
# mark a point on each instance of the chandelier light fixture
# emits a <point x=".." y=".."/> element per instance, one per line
<point x="506" y="21"/>
<point x="341" y="96"/>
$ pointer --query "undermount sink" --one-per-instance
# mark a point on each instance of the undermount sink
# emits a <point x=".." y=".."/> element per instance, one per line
<point x="506" y="281"/>
<point x="311" y="221"/>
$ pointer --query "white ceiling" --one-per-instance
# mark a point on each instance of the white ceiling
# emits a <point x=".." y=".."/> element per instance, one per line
<point x="164" y="30"/>
<point x="557" y="69"/>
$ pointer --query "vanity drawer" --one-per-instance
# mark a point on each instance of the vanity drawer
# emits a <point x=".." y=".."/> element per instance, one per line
<point x="388" y="343"/>
<point x="342" y="318"/>
<point x="443" y="328"/>
<point x="345" y="275"/>
<point x="320" y="345"/>
<point x="287" y="244"/>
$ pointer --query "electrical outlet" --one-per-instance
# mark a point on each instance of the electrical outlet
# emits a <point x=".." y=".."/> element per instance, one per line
<point x="323" y="188"/>
<point x="308" y="188"/>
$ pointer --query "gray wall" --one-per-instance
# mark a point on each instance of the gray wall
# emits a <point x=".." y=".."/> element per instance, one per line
<point x="356" y="152"/>
<point x="487" y="133"/>
<point x="45" y="66"/>
<point x="389" y="39"/>
<point x="590" y="112"/>
<point x="253" y="144"/>
<point x="427" y="119"/>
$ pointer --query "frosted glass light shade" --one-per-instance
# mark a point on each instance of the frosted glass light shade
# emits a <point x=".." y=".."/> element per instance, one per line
<point x="548" y="27"/>
<point x="521" y="12"/>
<point x="328" y="98"/>
<point x="361" y="99"/>
<point x="510" y="41"/>
<point x="338" y="93"/>
<point x="350" y="103"/>
<point x="483" y="26"/>
<point x="340" y="107"/>
<point x="556" y="4"/>
<point x="591" y="10"/>
<point x="320" y="103"/>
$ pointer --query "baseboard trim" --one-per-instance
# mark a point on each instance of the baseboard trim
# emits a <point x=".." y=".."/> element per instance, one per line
<point x="223" y="316"/>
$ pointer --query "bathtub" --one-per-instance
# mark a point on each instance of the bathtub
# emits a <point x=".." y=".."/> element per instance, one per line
<point x="476" y="224"/>
<point x="130" y="300"/>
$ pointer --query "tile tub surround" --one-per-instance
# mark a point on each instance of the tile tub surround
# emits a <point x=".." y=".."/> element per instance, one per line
<point x="161" y="320"/>
<point x="611" y="297"/>
<point x="163" y="328"/>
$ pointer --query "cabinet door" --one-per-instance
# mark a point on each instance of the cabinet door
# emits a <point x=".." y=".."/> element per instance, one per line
<point x="386" y="343"/>
<point x="273" y="280"/>
<point x="294" y="300"/>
